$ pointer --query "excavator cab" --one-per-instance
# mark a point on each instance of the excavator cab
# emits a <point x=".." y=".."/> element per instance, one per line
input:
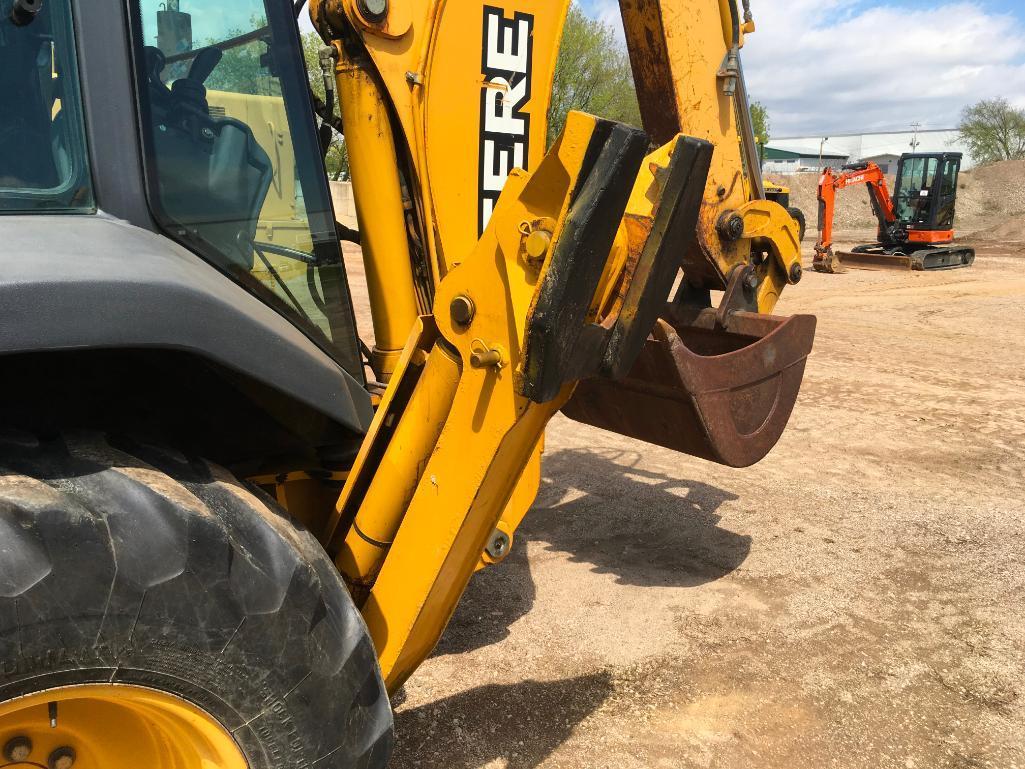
<point x="925" y="193"/>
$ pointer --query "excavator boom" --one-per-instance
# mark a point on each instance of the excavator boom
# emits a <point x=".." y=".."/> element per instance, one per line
<point x="508" y="283"/>
<point x="831" y="182"/>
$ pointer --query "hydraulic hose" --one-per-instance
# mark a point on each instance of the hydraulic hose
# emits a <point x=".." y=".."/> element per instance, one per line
<point x="736" y="88"/>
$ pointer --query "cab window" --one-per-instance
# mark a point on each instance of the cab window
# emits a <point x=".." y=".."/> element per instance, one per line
<point x="43" y="162"/>
<point x="234" y="168"/>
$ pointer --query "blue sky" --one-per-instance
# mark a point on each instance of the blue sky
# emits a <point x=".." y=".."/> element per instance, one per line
<point x="829" y="66"/>
<point x="840" y="66"/>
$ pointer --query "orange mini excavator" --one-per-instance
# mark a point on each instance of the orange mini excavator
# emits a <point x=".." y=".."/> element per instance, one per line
<point x="916" y="224"/>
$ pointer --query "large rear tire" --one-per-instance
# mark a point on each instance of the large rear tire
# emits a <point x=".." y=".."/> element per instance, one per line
<point x="128" y="564"/>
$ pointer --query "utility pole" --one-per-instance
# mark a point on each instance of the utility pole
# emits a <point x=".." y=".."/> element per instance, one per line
<point x="914" y="139"/>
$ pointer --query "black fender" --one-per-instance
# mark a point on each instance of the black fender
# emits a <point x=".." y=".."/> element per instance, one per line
<point x="92" y="283"/>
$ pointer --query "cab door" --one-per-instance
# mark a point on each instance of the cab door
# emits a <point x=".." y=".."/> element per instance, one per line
<point x="946" y="195"/>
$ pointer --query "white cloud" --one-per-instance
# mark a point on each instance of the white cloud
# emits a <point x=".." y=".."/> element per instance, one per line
<point x="608" y="12"/>
<point x="819" y="68"/>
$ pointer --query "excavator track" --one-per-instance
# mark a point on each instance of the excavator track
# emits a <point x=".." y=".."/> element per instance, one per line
<point x="878" y="257"/>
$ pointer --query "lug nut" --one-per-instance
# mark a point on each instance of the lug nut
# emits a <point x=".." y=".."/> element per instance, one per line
<point x="462" y="310"/>
<point x="498" y="545"/>
<point x="730" y="226"/>
<point x="18" y="749"/>
<point x="62" y="758"/>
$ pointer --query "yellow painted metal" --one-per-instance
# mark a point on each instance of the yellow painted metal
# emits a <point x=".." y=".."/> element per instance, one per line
<point x="308" y="497"/>
<point x="114" y="726"/>
<point x="491" y="432"/>
<point x="680" y="50"/>
<point x="469" y="460"/>
<point x="379" y="209"/>
<point x="389" y="410"/>
<point x="432" y="74"/>
<point x="769" y="228"/>
<point x="695" y="37"/>
<point x="520" y="501"/>
<point x="398" y="472"/>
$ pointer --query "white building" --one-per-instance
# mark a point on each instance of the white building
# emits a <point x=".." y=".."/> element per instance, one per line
<point x="792" y="160"/>
<point x="883" y="148"/>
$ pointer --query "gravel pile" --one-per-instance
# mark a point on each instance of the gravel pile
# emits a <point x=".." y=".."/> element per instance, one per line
<point x="985" y="193"/>
<point x="997" y="189"/>
<point x="1012" y="229"/>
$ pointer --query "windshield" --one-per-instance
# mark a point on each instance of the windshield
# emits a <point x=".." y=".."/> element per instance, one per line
<point x="43" y="164"/>
<point x="233" y="163"/>
<point x="914" y="187"/>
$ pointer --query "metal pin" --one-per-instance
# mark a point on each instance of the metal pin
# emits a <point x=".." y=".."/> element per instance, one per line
<point x="486" y="359"/>
<point x="53" y="715"/>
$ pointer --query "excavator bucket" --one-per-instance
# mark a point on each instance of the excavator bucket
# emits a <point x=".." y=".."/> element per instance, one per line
<point x="720" y="394"/>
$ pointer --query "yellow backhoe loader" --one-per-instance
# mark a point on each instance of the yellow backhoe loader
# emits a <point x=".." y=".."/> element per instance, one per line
<point x="230" y="530"/>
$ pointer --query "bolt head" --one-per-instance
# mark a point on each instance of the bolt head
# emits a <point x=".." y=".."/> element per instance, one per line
<point x="462" y="310"/>
<point x="374" y="10"/>
<point x="18" y="749"/>
<point x="498" y="545"/>
<point x="730" y="226"/>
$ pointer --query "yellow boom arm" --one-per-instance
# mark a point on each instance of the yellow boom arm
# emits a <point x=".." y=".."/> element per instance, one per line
<point x="508" y="283"/>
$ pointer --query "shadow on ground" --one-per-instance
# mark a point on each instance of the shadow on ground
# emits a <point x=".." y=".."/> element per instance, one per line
<point x="519" y="724"/>
<point x="601" y="508"/>
<point x="647" y="528"/>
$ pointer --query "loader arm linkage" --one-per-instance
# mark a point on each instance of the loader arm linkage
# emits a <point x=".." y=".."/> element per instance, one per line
<point x="494" y="310"/>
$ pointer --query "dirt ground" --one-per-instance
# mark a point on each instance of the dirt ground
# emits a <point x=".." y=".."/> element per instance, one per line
<point x="855" y="600"/>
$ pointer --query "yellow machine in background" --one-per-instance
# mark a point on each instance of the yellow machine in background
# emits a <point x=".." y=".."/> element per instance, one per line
<point x="282" y="219"/>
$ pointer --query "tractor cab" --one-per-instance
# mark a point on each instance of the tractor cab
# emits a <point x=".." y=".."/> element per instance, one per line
<point x="925" y="193"/>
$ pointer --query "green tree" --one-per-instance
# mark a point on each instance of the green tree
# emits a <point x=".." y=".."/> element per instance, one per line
<point x="592" y="74"/>
<point x="993" y="130"/>
<point x="337" y="160"/>
<point x="760" y="120"/>
<point x="241" y="71"/>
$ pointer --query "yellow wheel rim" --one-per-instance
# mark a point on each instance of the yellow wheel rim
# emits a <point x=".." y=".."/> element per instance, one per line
<point x="106" y="726"/>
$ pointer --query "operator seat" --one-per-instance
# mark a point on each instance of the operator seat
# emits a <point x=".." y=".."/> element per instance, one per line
<point x="213" y="174"/>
